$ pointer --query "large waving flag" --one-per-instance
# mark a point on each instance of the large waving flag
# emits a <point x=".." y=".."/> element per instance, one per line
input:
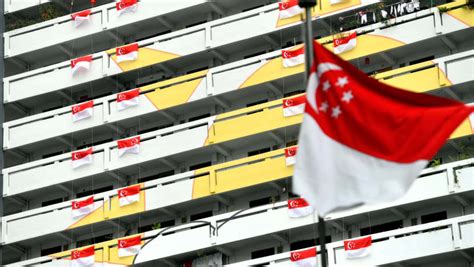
<point x="363" y="141"/>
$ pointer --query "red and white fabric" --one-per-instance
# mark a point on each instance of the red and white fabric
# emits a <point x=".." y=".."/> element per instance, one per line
<point x="292" y="57"/>
<point x="357" y="248"/>
<point x="290" y="155"/>
<point x="82" y="63"/>
<point x="129" y="195"/>
<point x="82" y="111"/>
<point x="127" y="53"/>
<point x="345" y="44"/>
<point x="82" y="207"/>
<point x="81" y="17"/>
<point x="304" y="257"/>
<point x="129" y="246"/>
<point x="82" y="157"/>
<point x="294" y="106"/>
<point x="289" y="8"/>
<point x="130" y="145"/>
<point x="83" y="257"/>
<point x="128" y="99"/>
<point x="298" y="208"/>
<point x="363" y="141"/>
<point x="125" y="6"/>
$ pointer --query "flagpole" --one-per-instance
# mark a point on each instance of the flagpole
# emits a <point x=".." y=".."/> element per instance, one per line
<point x="309" y="56"/>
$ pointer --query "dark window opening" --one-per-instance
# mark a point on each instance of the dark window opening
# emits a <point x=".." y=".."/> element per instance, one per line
<point x="52" y="154"/>
<point x="202" y="215"/>
<point x="262" y="253"/>
<point x="52" y="201"/>
<point x="260" y="202"/>
<point x="199" y="117"/>
<point x="95" y="191"/>
<point x="258" y="151"/>
<point x="94" y="240"/>
<point x="302" y="244"/>
<point x="297" y="92"/>
<point x="200" y="165"/>
<point x="255" y="54"/>
<point x="194" y="24"/>
<point x="49" y="251"/>
<point x="198" y="69"/>
<point x="381" y="228"/>
<point x="328" y="240"/>
<point x="153" y="177"/>
<point x="421" y="60"/>
<point x="52" y="108"/>
<point x="252" y="8"/>
<point x="434" y="217"/>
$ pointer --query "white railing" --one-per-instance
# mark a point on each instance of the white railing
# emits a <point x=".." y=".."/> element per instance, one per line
<point x="218" y="80"/>
<point x="452" y="178"/>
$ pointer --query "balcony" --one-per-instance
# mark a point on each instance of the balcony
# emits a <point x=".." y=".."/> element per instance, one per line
<point x="175" y="45"/>
<point x="444" y="181"/>
<point x="432" y="75"/>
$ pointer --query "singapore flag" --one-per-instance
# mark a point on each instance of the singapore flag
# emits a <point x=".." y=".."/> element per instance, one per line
<point x="294" y="106"/>
<point x="292" y="57"/>
<point x="127" y="53"/>
<point x="298" y="208"/>
<point x="357" y="248"/>
<point x="289" y="8"/>
<point x="370" y="138"/>
<point x="82" y="207"/>
<point x="129" y="246"/>
<point x="304" y="257"/>
<point x="124" y="6"/>
<point x="128" y="99"/>
<point x="81" y="17"/>
<point x="129" y="195"/>
<point x="130" y="145"/>
<point x="290" y="155"/>
<point x="82" y="157"/>
<point x="82" y="63"/>
<point x="82" y="111"/>
<point x="83" y="257"/>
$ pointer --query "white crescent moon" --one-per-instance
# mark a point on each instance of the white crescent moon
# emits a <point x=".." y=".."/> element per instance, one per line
<point x="313" y="82"/>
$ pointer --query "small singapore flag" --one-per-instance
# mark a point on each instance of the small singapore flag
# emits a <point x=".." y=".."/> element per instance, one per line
<point x="82" y="111"/>
<point x="127" y="99"/>
<point x="81" y="17"/>
<point x="82" y="207"/>
<point x="83" y="257"/>
<point x="357" y="248"/>
<point x="129" y="195"/>
<point x="130" y="145"/>
<point x="345" y="44"/>
<point x="129" y="246"/>
<point x="82" y="63"/>
<point x="81" y="157"/>
<point x="124" y="6"/>
<point x="304" y="257"/>
<point x="298" y="208"/>
<point x="292" y="57"/>
<point x="289" y="8"/>
<point x="294" y="106"/>
<point x="127" y="53"/>
<point x="290" y="155"/>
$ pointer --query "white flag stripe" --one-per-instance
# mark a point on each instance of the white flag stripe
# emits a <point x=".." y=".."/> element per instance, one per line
<point x="291" y="12"/>
<point x="129" y="251"/>
<point x="308" y="262"/>
<point x="300" y="212"/>
<point x="86" y="113"/>
<point x="345" y="47"/>
<point x="319" y="163"/>
<point x="79" y="20"/>
<point x="122" y="105"/>
<point x="132" y="8"/>
<point x="82" y="211"/>
<point x="357" y="253"/>
<point x="127" y="57"/>
<point x="81" y="162"/>
<point x="293" y="110"/>
<point x="293" y="61"/>
<point x="82" y="262"/>
<point x="123" y="201"/>
<point x="81" y="65"/>
<point x="289" y="161"/>
<point x="129" y="150"/>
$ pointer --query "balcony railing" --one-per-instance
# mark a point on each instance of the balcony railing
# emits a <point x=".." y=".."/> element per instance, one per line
<point x="251" y="223"/>
<point x="202" y="37"/>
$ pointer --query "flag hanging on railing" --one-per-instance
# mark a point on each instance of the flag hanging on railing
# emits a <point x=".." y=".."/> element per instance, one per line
<point x="82" y="63"/>
<point x="129" y="195"/>
<point x="129" y="246"/>
<point x="130" y="145"/>
<point x="298" y="208"/>
<point x="289" y="8"/>
<point x="292" y="57"/>
<point x="304" y="257"/>
<point x="127" y="53"/>
<point x="290" y="155"/>
<point x="345" y="44"/>
<point x="82" y="207"/>
<point x="83" y="257"/>
<point x="363" y="141"/>
<point x="293" y="106"/>
<point x="125" y="6"/>
<point x="81" y="17"/>
<point x="82" y="111"/>
<point x="357" y="248"/>
<point x="128" y="99"/>
<point x="82" y="157"/>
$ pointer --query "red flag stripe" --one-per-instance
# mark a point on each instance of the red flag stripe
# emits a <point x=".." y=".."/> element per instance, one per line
<point x="129" y="242"/>
<point x="82" y="253"/>
<point x="128" y="95"/>
<point x="124" y="143"/>
<point x="290" y="53"/>
<point x="124" y="4"/>
<point x="297" y="203"/>
<point x="302" y="254"/>
<point x="291" y="151"/>
<point x="82" y="203"/>
<point x="129" y="191"/>
<point x="285" y="4"/>
<point x="83" y="106"/>
<point x="81" y="154"/>
<point x="84" y="13"/>
<point x="123" y="50"/>
<point x="295" y="101"/>
<point x="358" y="243"/>
<point x="344" y="40"/>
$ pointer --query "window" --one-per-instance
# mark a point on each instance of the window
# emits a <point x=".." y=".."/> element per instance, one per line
<point x="260" y="202"/>
<point x="95" y="191"/>
<point x="258" y="151"/>
<point x="433" y="217"/>
<point x="421" y="60"/>
<point x="49" y="251"/>
<point x="94" y="240"/>
<point x="200" y="165"/>
<point x="262" y="253"/>
<point x="302" y="244"/>
<point x="255" y="54"/>
<point x="153" y="177"/>
<point x="381" y="228"/>
<point x="202" y="215"/>
<point x="199" y="117"/>
<point x="51" y="202"/>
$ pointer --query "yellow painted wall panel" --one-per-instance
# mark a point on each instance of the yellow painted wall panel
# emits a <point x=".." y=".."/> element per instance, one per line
<point x="428" y="79"/>
<point x="146" y="57"/>
<point x="271" y="70"/>
<point x="174" y="95"/>
<point x="464" y="14"/>
<point x="463" y="130"/>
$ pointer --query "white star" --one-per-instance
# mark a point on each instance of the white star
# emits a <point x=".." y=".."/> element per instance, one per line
<point x="347" y="96"/>
<point x="341" y="81"/>
<point x="324" y="107"/>
<point x="326" y="85"/>
<point x="336" y="111"/>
